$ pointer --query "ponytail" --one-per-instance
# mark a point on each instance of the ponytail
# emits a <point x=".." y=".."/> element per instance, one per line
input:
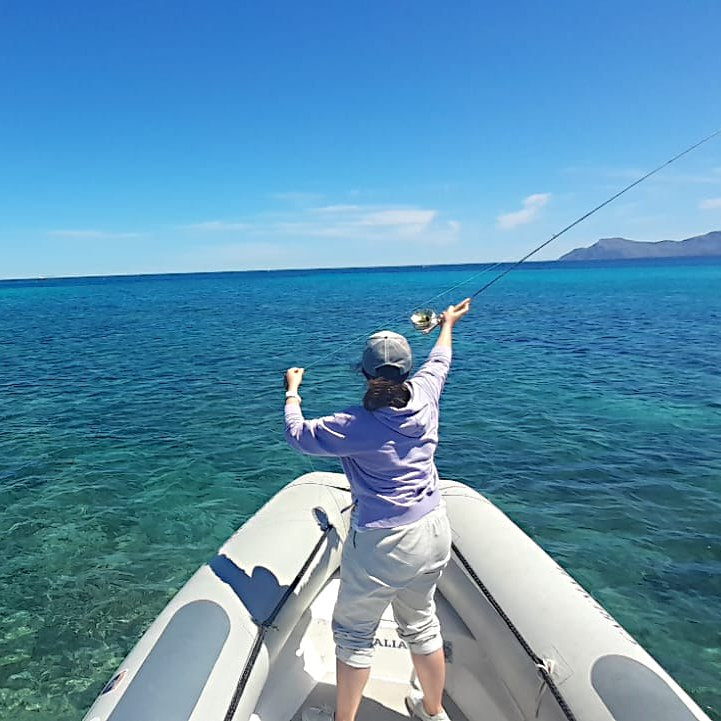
<point x="384" y="393"/>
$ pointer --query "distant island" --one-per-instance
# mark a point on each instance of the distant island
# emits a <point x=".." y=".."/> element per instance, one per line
<point x="707" y="245"/>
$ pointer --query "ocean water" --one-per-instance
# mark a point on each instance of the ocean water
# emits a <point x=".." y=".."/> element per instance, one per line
<point x="141" y="424"/>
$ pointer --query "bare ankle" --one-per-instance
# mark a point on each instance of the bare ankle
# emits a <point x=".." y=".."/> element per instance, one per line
<point x="432" y="710"/>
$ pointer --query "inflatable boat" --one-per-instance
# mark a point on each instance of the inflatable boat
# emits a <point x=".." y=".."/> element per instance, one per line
<point x="248" y="638"/>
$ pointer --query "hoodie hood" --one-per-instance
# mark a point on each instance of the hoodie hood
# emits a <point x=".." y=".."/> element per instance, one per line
<point x="413" y="421"/>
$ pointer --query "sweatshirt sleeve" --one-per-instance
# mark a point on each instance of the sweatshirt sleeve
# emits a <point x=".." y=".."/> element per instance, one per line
<point x="327" y="436"/>
<point x="431" y="376"/>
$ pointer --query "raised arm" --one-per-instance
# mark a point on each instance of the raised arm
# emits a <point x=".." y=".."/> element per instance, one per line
<point x="327" y="436"/>
<point x="451" y="316"/>
<point x="431" y="376"/>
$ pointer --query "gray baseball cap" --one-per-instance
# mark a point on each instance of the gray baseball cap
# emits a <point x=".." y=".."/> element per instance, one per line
<point x="387" y="355"/>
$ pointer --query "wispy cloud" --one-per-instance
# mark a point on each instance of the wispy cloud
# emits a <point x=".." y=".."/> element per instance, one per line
<point x="376" y="223"/>
<point x="416" y="217"/>
<point x="354" y="219"/>
<point x="233" y="256"/>
<point x="531" y="207"/>
<point x="299" y="197"/>
<point x="344" y="222"/>
<point x="605" y="172"/>
<point x="333" y="209"/>
<point x="216" y="225"/>
<point x="710" y="204"/>
<point x="710" y="177"/>
<point x="287" y="239"/>
<point x="91" y="234"/>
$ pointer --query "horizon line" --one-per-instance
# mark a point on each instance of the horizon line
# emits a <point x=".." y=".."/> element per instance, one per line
<point x="156" y="274"/>
<point x="268" y="270"/>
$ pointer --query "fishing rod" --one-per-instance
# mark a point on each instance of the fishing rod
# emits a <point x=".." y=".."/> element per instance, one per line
<point x="426" y="319"/>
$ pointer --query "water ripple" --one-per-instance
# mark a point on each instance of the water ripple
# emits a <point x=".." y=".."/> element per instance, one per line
<point x="140" y="425"/>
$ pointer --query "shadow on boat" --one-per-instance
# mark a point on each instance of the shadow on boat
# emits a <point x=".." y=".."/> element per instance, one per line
<point x="259" y="592"/>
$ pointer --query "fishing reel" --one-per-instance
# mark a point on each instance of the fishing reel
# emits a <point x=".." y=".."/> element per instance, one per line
<point x="426" y="319"/>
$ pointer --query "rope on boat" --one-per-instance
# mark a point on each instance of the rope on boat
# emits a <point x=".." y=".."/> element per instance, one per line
<point x="543" y="667"/>
<point x="267" y="623"/>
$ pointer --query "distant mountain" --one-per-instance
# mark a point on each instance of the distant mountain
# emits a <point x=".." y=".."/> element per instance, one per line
<point x="620" y="248"/>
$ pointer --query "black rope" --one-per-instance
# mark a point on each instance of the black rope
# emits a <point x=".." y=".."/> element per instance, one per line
<point x="597" y="208"/>
<point x="243" y="680"/>
<point x="345" y="489"/>
<point x="263" y="627"/>
<point x="296" y="581"/>
<point x="537" y="660"/>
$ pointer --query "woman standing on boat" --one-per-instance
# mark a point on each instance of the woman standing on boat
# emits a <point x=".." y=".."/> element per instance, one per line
<point x="400" y="539"/>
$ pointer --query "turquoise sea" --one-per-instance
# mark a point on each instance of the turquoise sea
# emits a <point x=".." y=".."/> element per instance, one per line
<point x="141" y="424"/>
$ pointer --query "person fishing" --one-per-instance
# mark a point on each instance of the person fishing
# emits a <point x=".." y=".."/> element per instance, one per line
<point x="400" y="538"/>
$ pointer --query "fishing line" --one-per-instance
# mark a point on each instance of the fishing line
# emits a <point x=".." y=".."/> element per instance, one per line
<point x="398" y="316"/>
<point x="426" y="320"/>
<point x="597" y="208"/>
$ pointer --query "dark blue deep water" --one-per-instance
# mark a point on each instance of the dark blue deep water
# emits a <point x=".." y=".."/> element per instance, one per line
<point x="140" y="425"/>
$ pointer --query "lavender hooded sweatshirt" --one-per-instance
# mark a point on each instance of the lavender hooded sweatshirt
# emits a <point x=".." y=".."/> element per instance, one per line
<point x="387" y="455"/>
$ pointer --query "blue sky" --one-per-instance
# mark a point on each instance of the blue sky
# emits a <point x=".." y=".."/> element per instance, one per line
<point x="178" y="136"/>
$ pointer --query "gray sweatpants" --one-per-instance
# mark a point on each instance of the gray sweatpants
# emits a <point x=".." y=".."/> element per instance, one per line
<point x="400" y="566"/>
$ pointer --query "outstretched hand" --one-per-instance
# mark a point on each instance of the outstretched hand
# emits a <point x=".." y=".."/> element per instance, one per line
<point x="293" y="378"/>
<point x="455" y="312"/>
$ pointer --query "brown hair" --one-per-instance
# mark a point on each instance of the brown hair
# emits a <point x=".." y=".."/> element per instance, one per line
<point x="384" y="393"/>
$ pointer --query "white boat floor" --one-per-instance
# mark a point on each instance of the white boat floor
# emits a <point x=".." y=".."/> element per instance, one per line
<point x="382" y="701"/>
<point x="304" y="673"/>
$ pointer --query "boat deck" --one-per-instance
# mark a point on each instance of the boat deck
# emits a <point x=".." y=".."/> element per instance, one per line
<point x="382" y="701"/>
<point x="305" y="674"/>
